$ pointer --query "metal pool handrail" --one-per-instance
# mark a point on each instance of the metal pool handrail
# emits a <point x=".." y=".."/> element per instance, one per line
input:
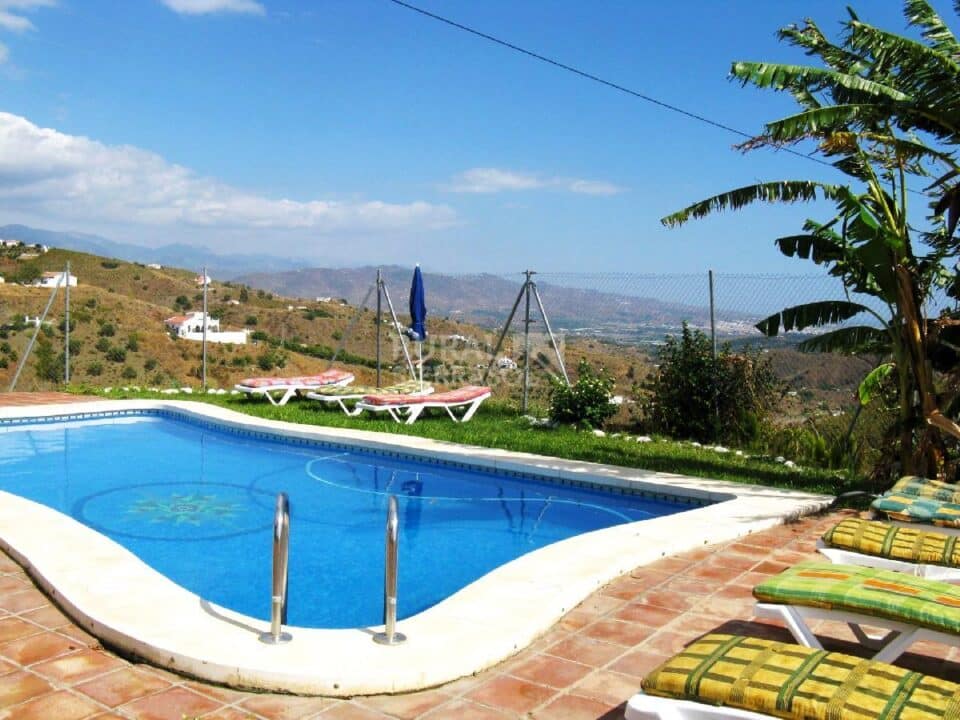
<point x="281" y="564"/>
<point x="390" y="636"/>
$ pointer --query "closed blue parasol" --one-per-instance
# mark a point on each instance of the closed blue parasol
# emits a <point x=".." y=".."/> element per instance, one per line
<point x="418" y="316"/>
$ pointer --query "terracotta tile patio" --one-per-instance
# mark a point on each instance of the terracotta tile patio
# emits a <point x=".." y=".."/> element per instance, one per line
<point x="584" y="668"/>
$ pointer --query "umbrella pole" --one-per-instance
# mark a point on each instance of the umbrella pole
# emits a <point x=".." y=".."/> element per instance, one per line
<point x="420" y="358"/>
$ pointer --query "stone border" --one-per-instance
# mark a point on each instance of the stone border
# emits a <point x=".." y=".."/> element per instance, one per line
<point x="116" y="597"/>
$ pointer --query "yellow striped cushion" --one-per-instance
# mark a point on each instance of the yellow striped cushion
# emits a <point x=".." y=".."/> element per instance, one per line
<point x="882" y="539"/>
<point x="926" y="488"/>
<point x="789" y="681"/>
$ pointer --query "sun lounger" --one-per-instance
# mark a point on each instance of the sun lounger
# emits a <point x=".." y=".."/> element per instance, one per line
<point x="287" y="387"/>
<point x="728" y="676"/>
<point x="916" y="486"/>
<point x="470" y="396"/>
<point x="913" y="550"/>
<point x="910" y="608"/>
<point x="911" y="509"/>
<point x="341" y="394"/>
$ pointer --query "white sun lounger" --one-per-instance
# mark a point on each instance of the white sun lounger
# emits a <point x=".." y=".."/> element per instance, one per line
<point x="342" y="394"/>
<point x="910" y="609"/>
<point x="287" y="387"/>
<point x="407" y="408"/>
<point x="730" y="677"/>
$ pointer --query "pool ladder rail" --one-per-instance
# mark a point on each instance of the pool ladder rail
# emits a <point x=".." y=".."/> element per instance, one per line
<point x="390" y="636"/>
<point x="281" y="565"/>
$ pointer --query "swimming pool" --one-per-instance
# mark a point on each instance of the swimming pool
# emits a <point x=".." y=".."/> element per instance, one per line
<point x="113" y="594"/>
<point x="196" y="503"/>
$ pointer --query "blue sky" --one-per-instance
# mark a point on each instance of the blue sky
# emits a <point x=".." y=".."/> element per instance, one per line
<point x="355" y="131"/>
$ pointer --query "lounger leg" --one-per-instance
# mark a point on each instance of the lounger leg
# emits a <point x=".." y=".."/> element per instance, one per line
<point x="793" y="620"/>
<point x="394" y="415"/>
<point x="450" y="413"/>
<point x="472" y="409"/>
<point x="897" y="646"/>
<point x="271" y="399"/>
<point x="287" y="395"/>
<point x="874" y="642"/>
<point x="415" y="411"/>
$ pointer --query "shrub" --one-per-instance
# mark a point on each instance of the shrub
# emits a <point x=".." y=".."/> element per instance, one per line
<point x="586" y="402"/>
<point x="109" y="264"/>
<point x="336" y="335"/>
<point x="102" y="344"/>
<point x="133" y="343"/>
<point x="116" y="354"/>
<point x="696" y="395"/>
<point x="4" y="364"/>
<point x="128" y="373"/>
<point x="259" y="336"/>
<point x="95" y="369"/>
<point x="181" y="303"/>
<point x="62" y="327"/>
<point x="107" y="330"/>
<point x="244" y="294"/>
<point x="251" y="320"/>
<point x="91" y="303"/>
<point x="149" y="364"/>
<point x="46" y="364"/>
<point x="75" y="346"/>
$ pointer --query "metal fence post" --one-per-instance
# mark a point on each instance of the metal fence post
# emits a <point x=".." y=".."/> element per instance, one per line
<point x="66" y="327"/>
<point x="713" y="322"/>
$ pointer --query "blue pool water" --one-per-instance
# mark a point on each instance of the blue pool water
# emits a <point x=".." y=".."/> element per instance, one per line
<point x="196" y="503"/>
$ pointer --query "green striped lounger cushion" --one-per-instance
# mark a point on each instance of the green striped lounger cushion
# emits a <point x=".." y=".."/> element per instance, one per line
<point x="908" y="544"/>
<point x="912" y="508"/>
<point x="789" y="681"/>
<point x="879" y="593"/>
<point x="926" y="488"/>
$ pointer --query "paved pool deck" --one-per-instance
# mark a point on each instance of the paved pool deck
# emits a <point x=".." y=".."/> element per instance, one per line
<point x="584" y="668"/>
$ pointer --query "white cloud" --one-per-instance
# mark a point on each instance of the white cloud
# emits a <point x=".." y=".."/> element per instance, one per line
<point x="75" y="180"/>
<point x="204" y="7"/>
<point x="495" y="180"/>
<point x="11" y="20"/>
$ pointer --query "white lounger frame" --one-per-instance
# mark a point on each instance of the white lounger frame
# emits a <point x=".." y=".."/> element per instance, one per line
<point x="650" y="707"/>
<point x="899" y="637"/>
<point x="354" y="411"/>
<point x="288" y="390"/>
<point x="414" y="410"/>
<point x="839" y="556"/>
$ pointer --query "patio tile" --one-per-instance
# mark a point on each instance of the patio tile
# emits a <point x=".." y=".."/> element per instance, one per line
<point x="78" y="666"/>
<point x="61" y="705"/>
<point x="36" y="648"/>
<point x="618" y="632"/>
<point x="347" y="711"/>
<point x="668" y="642"/>
<point x="20" y="686"/>
<point x="771" y="567"/>
<point x="23" y="600"/>
<point x="646" y="614"/>
<point x="639" y="663"/>
<point x="217" y="692"/>
<point x="573" y="707"/>
<point x="669" y="599"/>
<point x="576" y="619"/>
<point x="606" y="687"/>
<point x="9" y="565"/>
<point x="229" y="713"/>
<point x="14" y="628"/>
<point x="122" y="686"/>
<point x="466" y="710"/>
<point x="551" y="671"/>
<point x="599" y="605"/>
<point x="48" y="617"/>
<point x="666" y="566"/>
<point x="80" y="637"/>
<point x="586" y="651"/>
<point x="625" y="588"/>
<point x="13" y="583"/>
<point x="510" y="693"/>
<point x="407" y="706"/>
<point x="285" y="707"/>
<point x="170" y="704"/>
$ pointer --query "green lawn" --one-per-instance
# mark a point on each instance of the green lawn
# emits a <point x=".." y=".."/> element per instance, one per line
<point x="498" y="426"/>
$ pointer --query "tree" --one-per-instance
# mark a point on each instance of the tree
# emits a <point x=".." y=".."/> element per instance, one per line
<point x="863" y="109"/>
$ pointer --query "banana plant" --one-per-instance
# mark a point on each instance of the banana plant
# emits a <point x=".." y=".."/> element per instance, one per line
<point x="883" y="110"/>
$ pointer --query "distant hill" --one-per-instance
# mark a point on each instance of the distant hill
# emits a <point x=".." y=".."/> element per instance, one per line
<point x="486" y="300"/>
<point x="224" y="267"/>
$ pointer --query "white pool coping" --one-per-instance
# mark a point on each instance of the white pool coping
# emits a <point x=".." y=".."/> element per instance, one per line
<point x="116" y="597"/>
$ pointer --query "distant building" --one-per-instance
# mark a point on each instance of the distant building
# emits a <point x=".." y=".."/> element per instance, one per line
<point x="56" y="279"/>
<point x="2" y="281"/>
<point x="190" y="327"/>
<point x="155" y="266"/>
<point x="506" y="363"/>
<point x="202" y="280"/>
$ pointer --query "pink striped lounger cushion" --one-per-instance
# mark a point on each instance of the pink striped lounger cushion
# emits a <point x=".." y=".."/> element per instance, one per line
<point x="460" y="395"/>
<point x="328" y="377"/>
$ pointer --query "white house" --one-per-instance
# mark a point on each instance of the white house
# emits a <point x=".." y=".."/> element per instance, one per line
<point x="56" y="279"/>
<point x="155" y="266"/>
<point x="202" y="280"/>
<point x="190" y="327"/>
<point x="506" y="363"/>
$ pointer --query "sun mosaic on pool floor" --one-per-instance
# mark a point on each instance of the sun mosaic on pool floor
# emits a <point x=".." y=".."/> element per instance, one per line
<point x="184" y="509"/>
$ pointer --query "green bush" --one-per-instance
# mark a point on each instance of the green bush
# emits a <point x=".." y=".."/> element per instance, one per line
<point x="117" y="355"/>
<point x="181" y="304"/>
<point x="103" y="344"/>
<point x="251" y="320"/>
<point x="149" y="364"/>
<point x="128" y="373"/>
<point x="45" y="362"/>
<point x="586" y="402"/>
<point x="133" y="343"/>
<point x="107" y="330"/>
<point x="95" y="369"/>
<point x="259" y="336"/>
<point x="109" y="264"/>
<point x="91" y="303"/>
<point x="706" y="398"/>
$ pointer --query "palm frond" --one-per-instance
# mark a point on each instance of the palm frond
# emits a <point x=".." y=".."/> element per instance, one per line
<point x="778" y="76"/>
<point x="814" y="314"/>
<point x="857" y="339"/>
<point x="818" y="121"/>
<point x="784" y="191"/>
<point x="819" y="248"/>
<point x="919" y="13"/>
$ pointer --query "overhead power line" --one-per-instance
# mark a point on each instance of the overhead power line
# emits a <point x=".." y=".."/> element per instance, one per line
<point x="595" y="78"/>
